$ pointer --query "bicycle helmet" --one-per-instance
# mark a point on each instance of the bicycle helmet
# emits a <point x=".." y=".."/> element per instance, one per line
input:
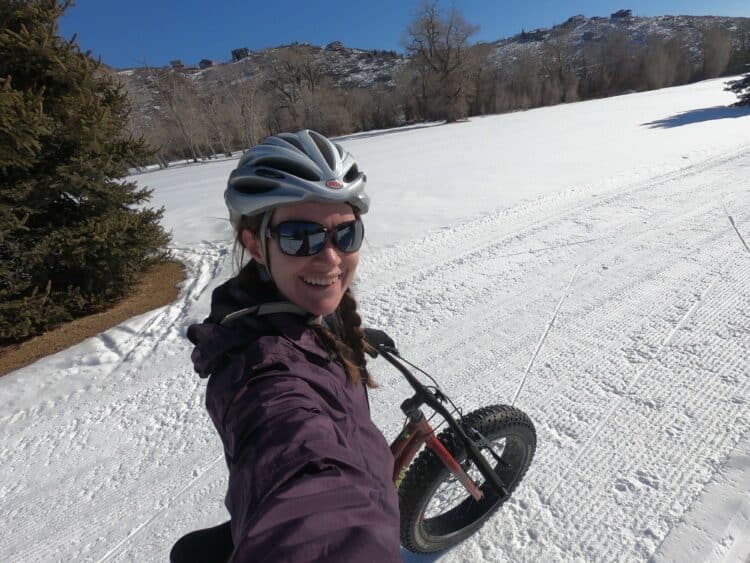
<point x="292" y="168"/>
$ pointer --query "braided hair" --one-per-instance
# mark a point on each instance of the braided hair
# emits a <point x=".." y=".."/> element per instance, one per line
<point x="343" y="336"/>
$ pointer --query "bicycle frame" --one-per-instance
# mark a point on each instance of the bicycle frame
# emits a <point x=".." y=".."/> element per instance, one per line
<point x="407" y="444"/>
<point x="418" y="431"/>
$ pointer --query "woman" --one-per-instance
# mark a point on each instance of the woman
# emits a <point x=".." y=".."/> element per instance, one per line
<point x="309" y="473"/>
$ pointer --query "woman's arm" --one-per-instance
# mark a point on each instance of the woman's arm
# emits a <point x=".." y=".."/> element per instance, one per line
<point x="298" y="490"/>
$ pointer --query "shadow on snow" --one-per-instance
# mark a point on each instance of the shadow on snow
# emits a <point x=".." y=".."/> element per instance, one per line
<point x="698" y="116"/>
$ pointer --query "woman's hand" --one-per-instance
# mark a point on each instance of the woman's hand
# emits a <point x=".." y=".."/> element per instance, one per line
<point x="378" y="339"/>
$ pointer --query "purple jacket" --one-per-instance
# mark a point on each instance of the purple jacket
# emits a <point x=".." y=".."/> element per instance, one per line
<point x="310" y="476"/>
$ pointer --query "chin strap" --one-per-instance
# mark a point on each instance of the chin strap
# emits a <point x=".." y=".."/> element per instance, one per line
<point x="267" y="309"/>
<point x="264" y="227"/>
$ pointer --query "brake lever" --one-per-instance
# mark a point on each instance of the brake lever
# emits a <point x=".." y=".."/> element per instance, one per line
<point x="374" y="351"/>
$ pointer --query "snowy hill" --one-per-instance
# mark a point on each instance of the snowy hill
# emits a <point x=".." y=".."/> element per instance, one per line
<point x="640" y="394"/>
<point x="579" y="30"/>
<point x="350" y="66"/>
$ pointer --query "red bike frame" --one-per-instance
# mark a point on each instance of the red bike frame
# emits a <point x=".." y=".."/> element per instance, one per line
<point x="416" y="432"/>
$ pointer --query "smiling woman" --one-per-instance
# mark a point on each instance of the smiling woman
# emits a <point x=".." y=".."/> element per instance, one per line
<point x="309" y="473"/>
<point x="308" y="270"/>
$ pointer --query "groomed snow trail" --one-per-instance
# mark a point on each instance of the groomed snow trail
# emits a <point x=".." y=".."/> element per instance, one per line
<point x="61" y="489"/>
<point x="640" y="393"/>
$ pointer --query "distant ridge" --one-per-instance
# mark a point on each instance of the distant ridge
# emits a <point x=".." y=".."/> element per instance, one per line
<point x="349" y="66"/>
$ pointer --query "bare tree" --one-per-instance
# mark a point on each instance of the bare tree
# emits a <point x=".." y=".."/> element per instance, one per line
<point x="664" y="62"/>
<point x="481" y="83"/>
<point x="559" y="72"/>
<point x="176" y="95"/>
<point x="438" y="44"/>
<point x="717" y="48"/>
<point x="218" y="118"/>
<point x="372" y="108"/>
<point x="611" y="65"/>
<point x="520" y="85"/>
<point x="243" y="94"/>
<point x="408" y="93"/>
<point x="296" y="76"/>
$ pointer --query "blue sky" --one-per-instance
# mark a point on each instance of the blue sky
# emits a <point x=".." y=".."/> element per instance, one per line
<point x="132" y="32"/>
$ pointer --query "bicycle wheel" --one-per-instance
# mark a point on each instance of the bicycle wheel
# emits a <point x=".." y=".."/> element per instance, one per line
<point x="436" y="510"/>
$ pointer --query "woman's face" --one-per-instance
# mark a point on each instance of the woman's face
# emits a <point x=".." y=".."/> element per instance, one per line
<point x="318" y="282"/>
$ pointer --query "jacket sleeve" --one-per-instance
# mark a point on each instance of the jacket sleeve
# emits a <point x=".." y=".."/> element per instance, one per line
<point x="297" y="490"/>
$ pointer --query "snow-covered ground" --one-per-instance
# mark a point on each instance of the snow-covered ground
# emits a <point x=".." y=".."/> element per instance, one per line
<point x="640" y="394"/>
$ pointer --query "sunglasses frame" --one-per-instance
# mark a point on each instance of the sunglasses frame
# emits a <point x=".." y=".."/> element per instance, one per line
<point x="331" y="235"/>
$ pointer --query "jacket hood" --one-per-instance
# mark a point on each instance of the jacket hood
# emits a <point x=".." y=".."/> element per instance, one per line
<point x="214" y="339"/>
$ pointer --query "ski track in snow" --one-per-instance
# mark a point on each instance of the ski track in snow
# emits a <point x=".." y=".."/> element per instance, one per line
<point x="30" y="432"/>
<point x="640" y="393"/>
<point x="612" y="350"/>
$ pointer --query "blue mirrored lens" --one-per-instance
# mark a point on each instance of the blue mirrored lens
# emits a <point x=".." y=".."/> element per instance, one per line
<point x="349" y="236"/>
<point x="305" y="238"/>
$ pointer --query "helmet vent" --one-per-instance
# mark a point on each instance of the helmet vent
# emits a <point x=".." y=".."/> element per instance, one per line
<point x="290" y="167"/>
<point x="255" y="186"/>
<point x="265" y="173"/>
<point x="352" y="174"/>
<point x="292" y="140"/>
<point x="324" y="145"/>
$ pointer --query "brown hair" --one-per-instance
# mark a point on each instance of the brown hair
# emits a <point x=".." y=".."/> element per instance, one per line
<point x="346" y="340"/>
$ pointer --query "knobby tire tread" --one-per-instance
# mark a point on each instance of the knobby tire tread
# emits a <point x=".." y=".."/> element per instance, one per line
<point x="419" y="484"/>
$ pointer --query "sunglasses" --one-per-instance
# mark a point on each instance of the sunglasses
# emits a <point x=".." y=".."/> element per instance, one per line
<point x="305" y="238"/>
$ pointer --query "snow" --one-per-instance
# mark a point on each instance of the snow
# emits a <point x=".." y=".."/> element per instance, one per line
<point x="639" y="394"/>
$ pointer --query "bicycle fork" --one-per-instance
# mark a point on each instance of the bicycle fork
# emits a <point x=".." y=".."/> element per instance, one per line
<point x="418" y="431"/>
<point x="407" y="444"/>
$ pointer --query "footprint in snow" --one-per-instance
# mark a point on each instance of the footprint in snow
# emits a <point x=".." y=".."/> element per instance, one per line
<point x="647" y="479"/>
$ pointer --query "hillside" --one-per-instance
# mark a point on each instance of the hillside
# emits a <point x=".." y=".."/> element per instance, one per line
<point x="580" y="32"/>
<point x="194" y="113"/>
<point x="352" y="67"/>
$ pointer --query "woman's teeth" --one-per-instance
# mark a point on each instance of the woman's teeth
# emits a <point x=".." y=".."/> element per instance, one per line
<point x="321" y="281"/>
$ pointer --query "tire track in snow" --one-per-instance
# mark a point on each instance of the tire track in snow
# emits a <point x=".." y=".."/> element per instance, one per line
<point x="382" y="308"/>
<point x="30" y="431"/>
<point x="479" y="300"/>
<point x="516" y="352"/>
<point x="505" y="244"/>
<point x="588" y="526"/>
<point x="489" y="252"/>
<point x="140" y="343"/>
<point x="405" y="260"/>
<point x="664" y="345"/>
<point x="709" y="240"/>
<point x="683" y="385"/>
<point x="167" y="505"/>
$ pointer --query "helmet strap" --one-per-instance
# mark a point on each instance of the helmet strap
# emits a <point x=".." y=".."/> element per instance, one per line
<point x="264" y="225"/>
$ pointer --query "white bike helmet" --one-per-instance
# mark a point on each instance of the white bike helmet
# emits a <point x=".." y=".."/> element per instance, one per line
<point x="292" y="168"/>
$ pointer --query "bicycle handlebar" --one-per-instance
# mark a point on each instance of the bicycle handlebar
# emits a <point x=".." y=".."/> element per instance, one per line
<point x="424" y="395"/>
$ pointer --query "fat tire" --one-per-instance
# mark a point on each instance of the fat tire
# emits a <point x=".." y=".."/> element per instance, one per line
<point x="427" y="473"/>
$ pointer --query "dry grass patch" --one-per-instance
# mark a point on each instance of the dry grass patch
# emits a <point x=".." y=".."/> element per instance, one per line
<point x="157" y="287"/>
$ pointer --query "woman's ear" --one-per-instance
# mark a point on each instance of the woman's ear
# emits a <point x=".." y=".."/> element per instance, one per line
<point x="251" y="242"/>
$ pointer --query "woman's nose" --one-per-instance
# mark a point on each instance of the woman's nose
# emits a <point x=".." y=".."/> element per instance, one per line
<point x="330" y="253"/>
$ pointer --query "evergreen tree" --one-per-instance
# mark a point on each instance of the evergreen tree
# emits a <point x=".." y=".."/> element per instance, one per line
<point x="741" y="87"/>
<point x="73" y="234"/>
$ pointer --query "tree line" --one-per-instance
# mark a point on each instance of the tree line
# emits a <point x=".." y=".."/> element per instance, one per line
<point x="447" y="76"/>
<point x="74" y="235"/>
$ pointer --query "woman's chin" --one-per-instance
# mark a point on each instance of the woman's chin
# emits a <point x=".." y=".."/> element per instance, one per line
<point x="319" y="301"/>
<point x="323" y="309"/>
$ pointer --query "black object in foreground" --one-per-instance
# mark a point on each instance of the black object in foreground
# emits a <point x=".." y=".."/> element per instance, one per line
<point x="210" y="545"/>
